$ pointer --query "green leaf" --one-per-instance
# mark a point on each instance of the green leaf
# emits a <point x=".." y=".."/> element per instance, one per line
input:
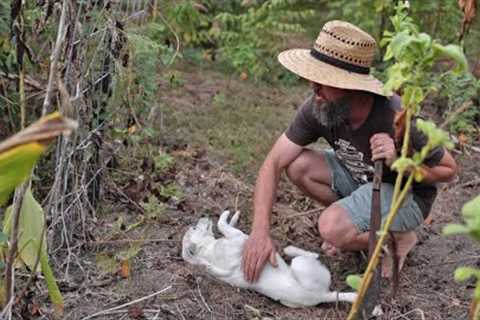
<point x="19" y="153"/>
<point x="354" y="281"/>
<point x="452" y="229"/>
<point x="472" y="208"/>
<point x="400" y="42"/>
<point x="16" y="165"/>
<point x="53" y="290"/>
<point x="30" y="229"/>
<point x="464" y="273"/>
<point x="455" y="53"/>
<point x="402" y="164"/>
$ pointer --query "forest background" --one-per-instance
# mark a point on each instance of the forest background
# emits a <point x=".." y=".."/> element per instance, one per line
<point x="177" y="104"/>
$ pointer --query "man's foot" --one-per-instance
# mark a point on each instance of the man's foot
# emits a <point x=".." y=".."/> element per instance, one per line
<point x="405" y="242"/>
<point x="329" y="249"/>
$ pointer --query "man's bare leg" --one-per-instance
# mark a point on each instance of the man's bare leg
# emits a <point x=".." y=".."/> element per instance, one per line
<point x="405" y="242"/>
<point x="311" y="173"/>
<point x="339" y="232"/>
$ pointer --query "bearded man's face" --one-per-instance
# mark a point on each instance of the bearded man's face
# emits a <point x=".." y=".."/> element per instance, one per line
<point x="332" y="105"/>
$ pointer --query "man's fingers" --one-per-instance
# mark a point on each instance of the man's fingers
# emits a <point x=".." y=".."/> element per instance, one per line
<point x="258" y="269"/>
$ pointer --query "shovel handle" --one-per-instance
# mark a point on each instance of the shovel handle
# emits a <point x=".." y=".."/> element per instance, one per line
<point x="375" y="213"/>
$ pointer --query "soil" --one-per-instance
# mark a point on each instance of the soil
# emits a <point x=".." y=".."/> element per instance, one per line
<point x="427" y="289"/>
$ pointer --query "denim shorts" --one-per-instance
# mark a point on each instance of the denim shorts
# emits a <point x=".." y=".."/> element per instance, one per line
<point x="356" y="199"/>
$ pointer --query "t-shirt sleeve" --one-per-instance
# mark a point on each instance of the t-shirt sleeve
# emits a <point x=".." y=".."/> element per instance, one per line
<point x="304" y="129"/>
<point x="419" y="140"/>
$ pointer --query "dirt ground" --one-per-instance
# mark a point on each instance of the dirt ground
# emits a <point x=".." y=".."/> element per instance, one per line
<point x="426" y="291"/>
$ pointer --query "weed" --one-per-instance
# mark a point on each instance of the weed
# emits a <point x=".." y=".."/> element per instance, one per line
<point x="163" y="162"/>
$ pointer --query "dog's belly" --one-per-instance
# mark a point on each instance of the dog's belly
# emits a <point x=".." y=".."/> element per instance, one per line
<point x="278" y="284"/>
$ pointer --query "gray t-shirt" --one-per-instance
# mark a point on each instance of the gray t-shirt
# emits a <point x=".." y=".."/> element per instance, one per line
<point x="352" y="147"/>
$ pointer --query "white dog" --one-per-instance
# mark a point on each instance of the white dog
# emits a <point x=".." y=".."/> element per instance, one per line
<point x="305" y="283"/>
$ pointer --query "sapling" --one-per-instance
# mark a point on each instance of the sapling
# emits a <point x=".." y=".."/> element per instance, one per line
<point x="414" y="55"/>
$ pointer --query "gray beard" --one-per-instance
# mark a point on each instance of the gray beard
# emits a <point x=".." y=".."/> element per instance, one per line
<point x="332" y="114"/>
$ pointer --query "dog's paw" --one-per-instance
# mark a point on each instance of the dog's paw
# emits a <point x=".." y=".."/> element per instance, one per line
<point x="293" y="251"/>
<point x="234" y="220"/>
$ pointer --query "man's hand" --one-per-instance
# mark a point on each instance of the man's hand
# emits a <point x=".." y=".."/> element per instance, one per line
<point x="258" y="248"/>
<point x="383" y="147"/>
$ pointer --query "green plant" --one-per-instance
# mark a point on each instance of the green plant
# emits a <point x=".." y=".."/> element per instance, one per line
<point x="471" y="227"/>
<point x="368" y="15"/>
<point x="249" y="40"/>
<point x="415" y="54"/>
<point x="154" y="209"/>
<point x="18" y="155"/>
<point x="163" y="162"/>
<point x="454" y="92"/>
<point x="171" y="191"/>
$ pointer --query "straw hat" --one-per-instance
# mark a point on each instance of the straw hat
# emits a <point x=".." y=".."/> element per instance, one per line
<point x="341" y="57"/>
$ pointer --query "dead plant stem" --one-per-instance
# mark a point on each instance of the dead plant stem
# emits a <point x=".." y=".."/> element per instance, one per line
<point x="55" y="57"/>
<point x="126" y="304"/>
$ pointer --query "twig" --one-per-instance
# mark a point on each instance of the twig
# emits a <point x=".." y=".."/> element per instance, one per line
<point x="300" y="214"/>
<point x="136" y="205"/>
<point x="202" y="298"/>
<point x="454" y="114"/>
<point x="470" y="183"/>
<point x="54" y="58"/>
<point x="179" y="312"/>
<point x="28" y="81"/>
<point x="127" y="304"/>
<point x="127" y="241"/>
<point x="177" y="39"/>
<point x="419" y="311"/>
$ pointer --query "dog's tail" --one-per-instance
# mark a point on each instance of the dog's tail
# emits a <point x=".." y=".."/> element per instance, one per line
<point x="335" y="296"/>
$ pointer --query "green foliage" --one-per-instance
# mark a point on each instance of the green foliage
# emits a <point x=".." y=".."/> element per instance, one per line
<point x="250" y="41"/>
<point x="366" y="14"/>
<point x="171" y="191"/>
<point x="354" y="281"/>
<point x="30" y="229"/>
<point x="30" y="233"/>
<point x="415" y="54"/>
<point x="163" y="162"/>
<point x="154" y="209"/>
<point x="247" y="35"/>
<point x="471" y="215"/>
<point x="471" y="227"/>
<point x="454" y="92"/>
<point x="16" y="165"/>
<point x="190" y="23"/>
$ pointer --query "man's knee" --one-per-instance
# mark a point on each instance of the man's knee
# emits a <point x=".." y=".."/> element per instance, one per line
<point x="308" y="165"/>
<point x="336" y="227"/>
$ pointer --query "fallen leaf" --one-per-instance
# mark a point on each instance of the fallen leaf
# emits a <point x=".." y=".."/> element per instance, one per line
<point x="125" y="268"/>
<point x="132" y="129"/>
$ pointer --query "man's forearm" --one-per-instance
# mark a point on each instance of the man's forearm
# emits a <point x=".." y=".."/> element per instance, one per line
<point x="264" y="195"/>
<point x="437" y="174"/>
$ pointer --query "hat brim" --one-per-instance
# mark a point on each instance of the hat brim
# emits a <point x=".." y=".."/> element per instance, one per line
<point x="303" y="64"/>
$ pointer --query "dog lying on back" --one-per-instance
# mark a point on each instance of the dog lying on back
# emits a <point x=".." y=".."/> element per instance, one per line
<point x="304" y="283"/>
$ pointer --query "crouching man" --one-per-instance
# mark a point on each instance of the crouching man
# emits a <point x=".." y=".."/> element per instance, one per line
<point x="349" y="109"/>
